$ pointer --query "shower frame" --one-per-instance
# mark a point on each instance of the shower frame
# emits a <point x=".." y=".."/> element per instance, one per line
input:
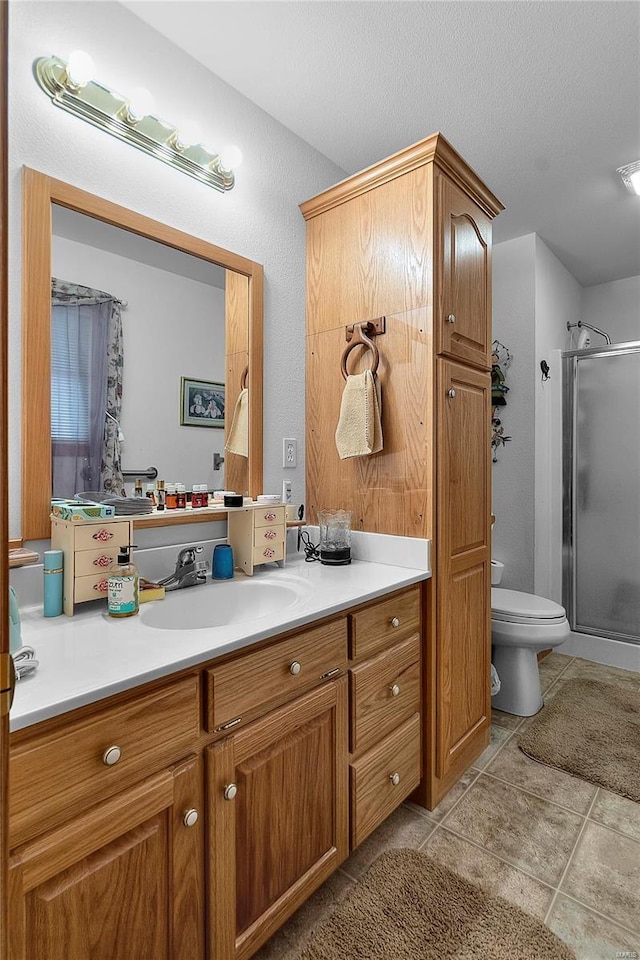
<point x="570" y="360"/>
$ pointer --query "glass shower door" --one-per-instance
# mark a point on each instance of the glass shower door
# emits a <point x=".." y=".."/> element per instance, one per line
<point x="604" y="554"/>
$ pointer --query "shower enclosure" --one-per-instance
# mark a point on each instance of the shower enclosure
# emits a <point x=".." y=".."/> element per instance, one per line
<point x="601" y="489"/>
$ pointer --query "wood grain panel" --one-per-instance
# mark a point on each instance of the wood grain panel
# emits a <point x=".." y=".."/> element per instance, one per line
<point x="390" y="492"/>
<point x="188" y="852"/>
<point x="236" y="312"/>
<point x="236" y="468"/>
<point x="371" y="257"/>
<point x="241" y="687"/>
<point x="373" y="793"/>
<point x="4" y="473"/>
<point x="385" y="691"/>
<point x="55" y="775"/>
<point x="463" y="277"/>
<point x="372" y="628"/>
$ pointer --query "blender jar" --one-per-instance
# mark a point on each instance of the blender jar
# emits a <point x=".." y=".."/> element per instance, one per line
<point x="335" y="536"/>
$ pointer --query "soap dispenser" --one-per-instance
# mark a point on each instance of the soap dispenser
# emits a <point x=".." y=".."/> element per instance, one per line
<point x="122" y="591"/>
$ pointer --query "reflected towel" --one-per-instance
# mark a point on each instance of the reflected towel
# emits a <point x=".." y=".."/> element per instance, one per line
<point x="359" y="431"/>
<point x="238" y="439"/>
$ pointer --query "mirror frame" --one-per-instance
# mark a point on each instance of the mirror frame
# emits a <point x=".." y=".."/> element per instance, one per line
<point x="40" y="192"/>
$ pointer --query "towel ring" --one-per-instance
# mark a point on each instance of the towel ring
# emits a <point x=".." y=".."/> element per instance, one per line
<point x="244" y="378"/>
<point x="360" y="338"/>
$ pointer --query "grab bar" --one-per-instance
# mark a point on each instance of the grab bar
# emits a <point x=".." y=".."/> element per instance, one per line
<point x="149" y="472"/>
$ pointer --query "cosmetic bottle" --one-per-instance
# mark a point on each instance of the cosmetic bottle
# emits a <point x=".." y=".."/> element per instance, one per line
<point x="151" y="493"/>
<point x="181" y="496"/>
<point x="137" y="490"/>
<point x="52" y="567"/>
<point x="160" y="495"/>
<point x="171" y="498"/>
<point x="122" y="591"/>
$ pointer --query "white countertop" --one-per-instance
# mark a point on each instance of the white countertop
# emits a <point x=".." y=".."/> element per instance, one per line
<point x="91" y="656"/>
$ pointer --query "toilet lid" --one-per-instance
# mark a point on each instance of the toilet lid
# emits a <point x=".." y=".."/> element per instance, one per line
<point x="512" y="606"/>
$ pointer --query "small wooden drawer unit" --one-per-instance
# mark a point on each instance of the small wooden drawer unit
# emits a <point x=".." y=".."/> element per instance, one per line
<point x="385" y="691"/>
<point x="257" y="535"/>
<point x="240" y="689"/>
<point x="58" y="774"/>
<point x="89" y="547"/>
<point x="383" y="623"/>
<point x="383" y="777"/>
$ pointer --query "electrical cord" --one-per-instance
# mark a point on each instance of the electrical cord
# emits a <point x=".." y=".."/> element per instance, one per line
<point x="311" y="551"/>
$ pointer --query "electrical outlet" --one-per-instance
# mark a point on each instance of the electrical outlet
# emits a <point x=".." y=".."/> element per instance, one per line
<point x="289" y="452"/>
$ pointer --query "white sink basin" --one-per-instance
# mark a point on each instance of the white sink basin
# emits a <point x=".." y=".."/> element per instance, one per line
<point x="224" y="602"/>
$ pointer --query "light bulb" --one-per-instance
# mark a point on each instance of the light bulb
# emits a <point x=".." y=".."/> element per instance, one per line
<point x="634" y="179"/>
<point x="189" y="134"/>
<point x="79" y="68"/>
<point x="230" y="157"/>
<point x="141" y="104"/>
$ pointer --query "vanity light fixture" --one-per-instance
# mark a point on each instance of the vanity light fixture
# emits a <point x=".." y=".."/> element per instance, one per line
<point x="631" y="177"/>
<point x="71" y="87"/>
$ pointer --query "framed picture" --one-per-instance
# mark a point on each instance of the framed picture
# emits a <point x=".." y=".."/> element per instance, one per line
<point x="201" y="403"/>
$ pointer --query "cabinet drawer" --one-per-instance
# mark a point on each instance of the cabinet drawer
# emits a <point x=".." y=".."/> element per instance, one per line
<point x="382" y="778"/>
<point x="91" y="562"/>
<point x="382" y="624"/>
<point x="91" y="535"/>
<point x="267" y="536"/>
<point x="90" y="588"/>
<point x="268" y="552"/>
<point x="55" y="775"/>
<point x="385" y="691"/>
<point x="267" y="516"/>
<point x="239" y="688"/>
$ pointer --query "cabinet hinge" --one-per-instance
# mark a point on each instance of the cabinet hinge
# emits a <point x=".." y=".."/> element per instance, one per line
<point x="227" y="726"/>
<point x="7" y="683"/>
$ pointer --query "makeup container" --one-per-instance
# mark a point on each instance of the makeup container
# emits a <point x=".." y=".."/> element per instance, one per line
<point x="52" y="566"/>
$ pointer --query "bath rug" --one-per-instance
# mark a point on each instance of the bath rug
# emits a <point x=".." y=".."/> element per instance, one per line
<point x="590" y="729"/>
<point x="408" y="907"/>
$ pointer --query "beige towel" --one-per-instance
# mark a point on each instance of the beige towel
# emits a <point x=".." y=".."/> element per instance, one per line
<point x="359" y="431"/>
<point x="238" y="439"/>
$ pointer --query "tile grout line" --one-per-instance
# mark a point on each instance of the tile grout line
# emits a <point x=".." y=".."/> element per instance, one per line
<point x="571" y="856"/>
<point x="507" y="863"/>
<point x="530" y="793"/>
<point x="603" y="916"/>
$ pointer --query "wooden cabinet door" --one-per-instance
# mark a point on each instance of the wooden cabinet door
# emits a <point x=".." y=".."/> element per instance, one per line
<point x="278" y="818"/>
<point x="124" y="880"/>
<point x="463" y="566"/>
<point x="463" y="298"/>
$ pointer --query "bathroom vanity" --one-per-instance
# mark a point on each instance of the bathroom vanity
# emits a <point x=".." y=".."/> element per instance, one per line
<point x="179" y="793"/>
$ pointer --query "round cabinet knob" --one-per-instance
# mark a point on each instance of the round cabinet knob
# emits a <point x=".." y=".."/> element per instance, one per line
<point x="111" y="756"/>
<point x="395" y="690"/>
<point x="295" y="668"/>
<point x="395" y="622"/>
<point x="451" y="393"/>
<point x="230" y="791"/>
<point x="395" y="779"/>
<point x="451" y="318"/>
<point x="190" y="818"/>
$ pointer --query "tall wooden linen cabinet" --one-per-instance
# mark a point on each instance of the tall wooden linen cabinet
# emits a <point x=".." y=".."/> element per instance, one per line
<point x="409" y="239"/>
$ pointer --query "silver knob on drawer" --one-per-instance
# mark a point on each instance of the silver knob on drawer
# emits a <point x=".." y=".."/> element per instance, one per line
<point x="395" y="779"/>
<point x="451" y="393"/>
<point x="395" y="622"/>
<point x="190" y="817"/>
<point x="230" y="791"/>
<point x="395" y="690"/>
<point x="111" y="756"/>
<point x="295" y="668"/>
<point x="451" y="318"/>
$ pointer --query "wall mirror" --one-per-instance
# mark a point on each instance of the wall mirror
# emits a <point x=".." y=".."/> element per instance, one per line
<point x="191" y="319"/>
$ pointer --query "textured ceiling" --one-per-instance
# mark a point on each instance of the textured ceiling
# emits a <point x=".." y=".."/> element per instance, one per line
<point x="541" y="98"/>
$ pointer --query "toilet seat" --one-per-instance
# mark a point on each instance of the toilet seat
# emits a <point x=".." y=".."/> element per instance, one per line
<point x="513" y="606"/>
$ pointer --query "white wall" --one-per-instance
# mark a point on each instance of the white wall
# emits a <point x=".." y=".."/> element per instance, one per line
<point x="259" y="218"/>
<point x="172" y="326"/>
<point x="615" y="308"/>
<point x="533" y="298"/>
<point x="513" y="474"/>
<point x="558" y="297"/>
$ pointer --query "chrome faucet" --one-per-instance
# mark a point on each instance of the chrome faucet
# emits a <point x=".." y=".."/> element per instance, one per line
<point x="191" y="569"/>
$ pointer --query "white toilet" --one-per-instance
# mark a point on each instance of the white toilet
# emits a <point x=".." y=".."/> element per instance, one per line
<point x="521" y="625"/>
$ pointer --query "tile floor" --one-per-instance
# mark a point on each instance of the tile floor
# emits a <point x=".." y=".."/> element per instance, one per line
<point x="562" y="849"/>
